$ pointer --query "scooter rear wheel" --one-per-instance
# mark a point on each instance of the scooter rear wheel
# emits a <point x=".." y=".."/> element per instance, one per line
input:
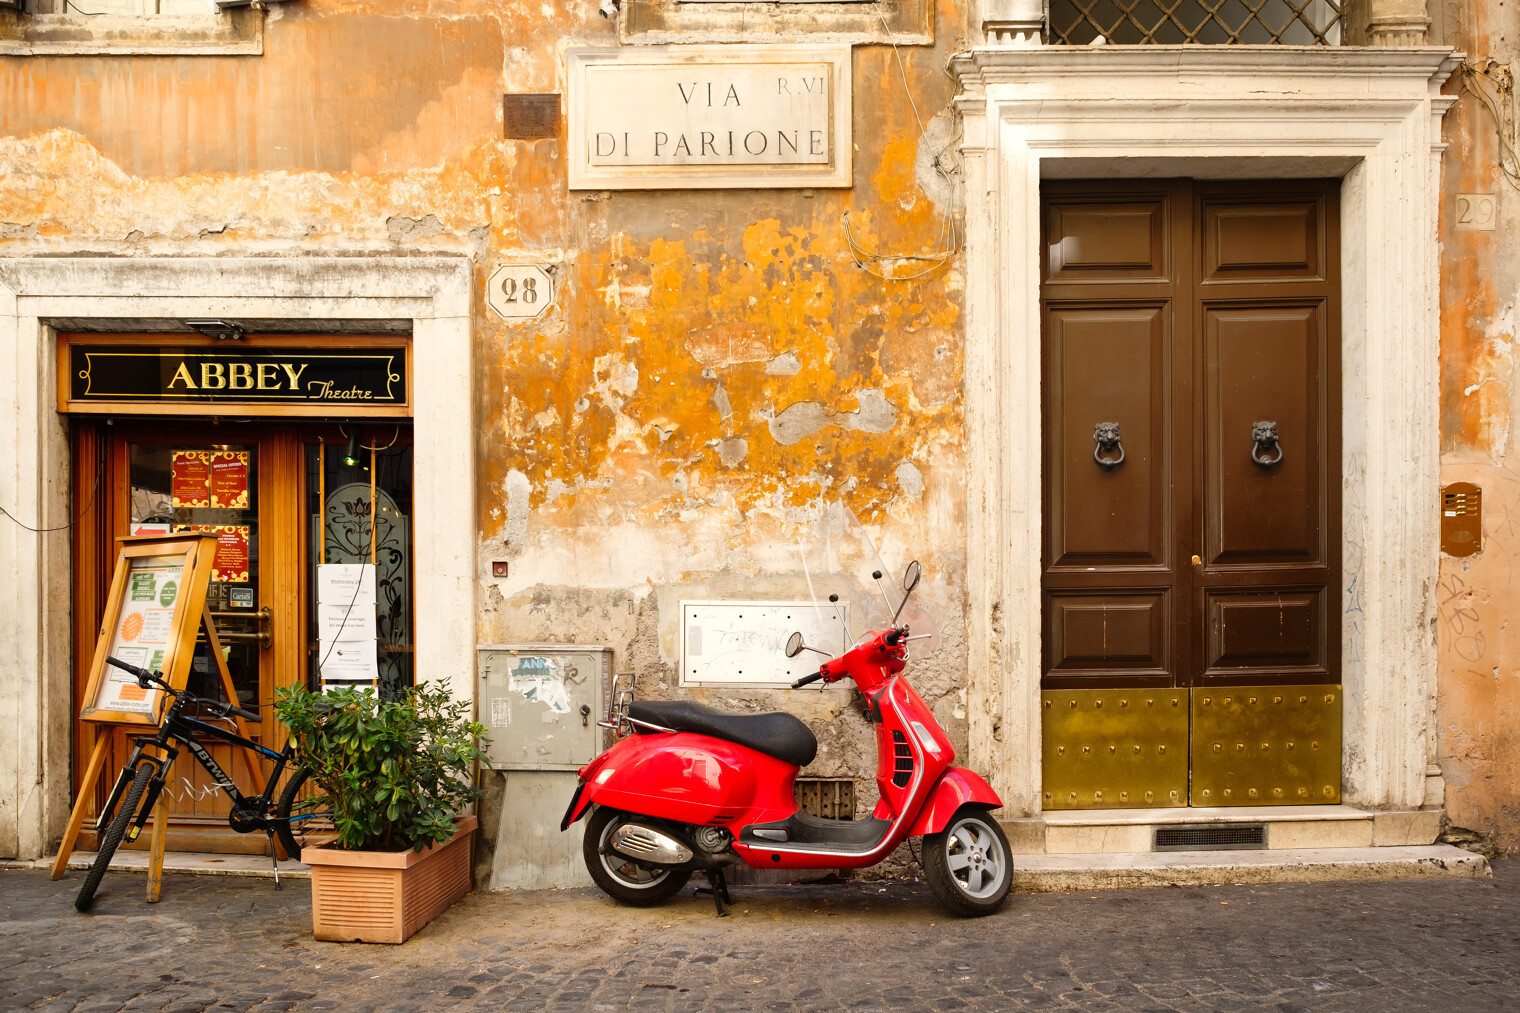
<point x="969" y="865"/>
<point x="635" y="883"/>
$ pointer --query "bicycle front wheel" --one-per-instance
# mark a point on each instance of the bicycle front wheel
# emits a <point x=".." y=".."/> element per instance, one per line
<point x="302" y="817"/>
<point x="111" y="839"/>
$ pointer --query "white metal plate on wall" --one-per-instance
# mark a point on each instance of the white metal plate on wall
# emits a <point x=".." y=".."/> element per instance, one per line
<point x="743" y="643"/>
<point x="530" y="701"/>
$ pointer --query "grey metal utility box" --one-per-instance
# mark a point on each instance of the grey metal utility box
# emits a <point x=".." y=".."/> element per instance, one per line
<point x="541" y="702"/>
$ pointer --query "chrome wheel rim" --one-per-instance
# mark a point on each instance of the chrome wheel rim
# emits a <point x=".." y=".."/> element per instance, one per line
<point x="633" y="875"/>
<point x="977" y="861"/>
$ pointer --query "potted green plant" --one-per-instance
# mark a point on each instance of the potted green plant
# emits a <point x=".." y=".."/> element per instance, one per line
<point x="397" y="777"/>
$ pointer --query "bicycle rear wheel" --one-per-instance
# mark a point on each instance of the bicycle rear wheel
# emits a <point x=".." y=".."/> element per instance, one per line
<point x="111" y="839"/>
<point x="299" y="821"/>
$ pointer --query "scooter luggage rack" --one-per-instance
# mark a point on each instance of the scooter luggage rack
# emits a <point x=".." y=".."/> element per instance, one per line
<point x="617" y="710"/>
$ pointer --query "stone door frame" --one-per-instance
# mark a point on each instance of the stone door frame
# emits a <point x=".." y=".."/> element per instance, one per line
<point x="1370" y="117"/>
<point x="38" y="297"/>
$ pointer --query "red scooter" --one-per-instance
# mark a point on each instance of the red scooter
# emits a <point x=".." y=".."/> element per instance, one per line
<point x="687" y="787"/>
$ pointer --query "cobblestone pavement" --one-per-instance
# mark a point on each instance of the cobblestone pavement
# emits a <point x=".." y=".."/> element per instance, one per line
<point x="236" y="944"/>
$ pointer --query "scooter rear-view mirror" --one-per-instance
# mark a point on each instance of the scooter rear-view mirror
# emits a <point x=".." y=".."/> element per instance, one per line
<point x="910" y="581"/>
<point x="794" y="645"/>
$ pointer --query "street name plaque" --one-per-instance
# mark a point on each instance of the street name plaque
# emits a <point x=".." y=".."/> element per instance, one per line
<point x="709" y="117"/>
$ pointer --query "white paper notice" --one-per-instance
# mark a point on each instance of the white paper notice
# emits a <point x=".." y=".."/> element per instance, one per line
<point x="338" y="623"/>
<point x="349" y="662"/>
<point x="336" y="584"/>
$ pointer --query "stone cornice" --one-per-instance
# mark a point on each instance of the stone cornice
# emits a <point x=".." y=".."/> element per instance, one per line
<point x="986" y="65"/>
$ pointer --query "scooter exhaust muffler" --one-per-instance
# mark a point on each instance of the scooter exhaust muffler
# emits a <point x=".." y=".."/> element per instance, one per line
<point x="646" y="844"/>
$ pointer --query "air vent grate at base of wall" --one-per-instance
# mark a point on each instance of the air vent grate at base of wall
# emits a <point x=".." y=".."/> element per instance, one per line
<point x="1212" y="837"/>
<point x="829" y="798"/>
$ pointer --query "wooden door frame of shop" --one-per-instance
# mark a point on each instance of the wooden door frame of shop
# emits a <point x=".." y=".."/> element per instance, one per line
<point x="432" y="296"/>
<point x="1216" y="112"/>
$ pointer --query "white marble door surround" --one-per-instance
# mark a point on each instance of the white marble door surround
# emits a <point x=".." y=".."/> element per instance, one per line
<point x="1369" y="116"/>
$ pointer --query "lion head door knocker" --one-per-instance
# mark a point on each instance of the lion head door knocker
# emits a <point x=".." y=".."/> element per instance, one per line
<point x="1106" y="438"/>
<point x="1263" y="442"/>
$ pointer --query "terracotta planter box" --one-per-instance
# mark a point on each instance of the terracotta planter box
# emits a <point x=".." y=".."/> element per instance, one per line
<point x="385" y="896"/>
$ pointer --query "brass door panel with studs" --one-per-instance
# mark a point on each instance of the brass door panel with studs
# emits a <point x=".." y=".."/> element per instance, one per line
<point x="1114" y="748"/>
<point x="1190" y="454"/>
<point x="1266" y="745"/>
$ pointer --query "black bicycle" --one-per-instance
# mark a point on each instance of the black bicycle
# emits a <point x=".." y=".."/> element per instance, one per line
<point x="291" y="819"/>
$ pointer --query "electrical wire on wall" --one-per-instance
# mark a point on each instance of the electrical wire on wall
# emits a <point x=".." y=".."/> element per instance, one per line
<point x="1493" y="85"/>
<point x="949" y="237"/>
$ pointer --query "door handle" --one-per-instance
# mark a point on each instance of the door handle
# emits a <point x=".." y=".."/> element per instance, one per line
<point x="1197" y="560"/>
<point x="1263" y="442"/>
<point x="263" y="635"/>
<point x="1106" y="441"/>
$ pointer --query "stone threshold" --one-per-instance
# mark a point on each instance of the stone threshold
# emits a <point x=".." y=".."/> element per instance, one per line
<point x="1114" y="871"/>
<point x="1287" y="828"/>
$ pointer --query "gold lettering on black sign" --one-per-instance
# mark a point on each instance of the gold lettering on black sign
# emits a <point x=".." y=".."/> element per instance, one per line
<point x="355" y="376"/>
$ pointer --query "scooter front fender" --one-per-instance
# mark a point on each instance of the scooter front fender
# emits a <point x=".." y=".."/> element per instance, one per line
<point x="956" y="787"/>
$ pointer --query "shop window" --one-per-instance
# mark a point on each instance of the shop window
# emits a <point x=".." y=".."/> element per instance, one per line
<point x="132" y="27"/>
<point x="346" y="528"/>
<point x="138" y="8"/>
<point x="656" y="22"/>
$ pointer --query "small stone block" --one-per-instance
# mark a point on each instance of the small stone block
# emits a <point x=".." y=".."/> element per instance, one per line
<point x="1409" y="828"/>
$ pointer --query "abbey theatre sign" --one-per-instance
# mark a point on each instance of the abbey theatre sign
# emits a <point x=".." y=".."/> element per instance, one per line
<point x="709" y="116"/>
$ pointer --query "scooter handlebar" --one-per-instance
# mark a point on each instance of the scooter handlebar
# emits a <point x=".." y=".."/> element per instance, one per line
<point x="807" y="679"/>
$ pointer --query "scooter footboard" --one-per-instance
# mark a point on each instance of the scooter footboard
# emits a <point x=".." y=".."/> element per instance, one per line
<point x="956" y="787"/>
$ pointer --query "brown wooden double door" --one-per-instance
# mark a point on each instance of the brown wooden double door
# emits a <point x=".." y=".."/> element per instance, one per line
<point x="1191" y="448"/>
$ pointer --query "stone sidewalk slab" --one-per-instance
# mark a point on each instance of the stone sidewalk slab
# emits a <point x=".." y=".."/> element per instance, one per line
<point x="1032" y="873"/>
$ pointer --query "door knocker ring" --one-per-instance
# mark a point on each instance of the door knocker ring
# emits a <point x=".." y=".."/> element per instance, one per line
<point x="1106" y="440"/>
<point x="1263" y="441"/>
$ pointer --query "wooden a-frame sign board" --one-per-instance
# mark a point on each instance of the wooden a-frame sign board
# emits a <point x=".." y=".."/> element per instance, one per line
<point x="154" y="609"/>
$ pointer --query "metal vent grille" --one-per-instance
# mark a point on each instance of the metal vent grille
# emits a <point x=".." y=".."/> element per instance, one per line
<point x="1212" y="837"/>
<point x="902" y="768"/>
<point x="1205" y="22"/>
<point x="828" y="798"/>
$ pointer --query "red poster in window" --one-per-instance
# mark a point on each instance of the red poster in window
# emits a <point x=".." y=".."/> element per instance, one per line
<point x="231" y="561"/>
<point x="229" y="479"/>
<point x="190" y="482"/>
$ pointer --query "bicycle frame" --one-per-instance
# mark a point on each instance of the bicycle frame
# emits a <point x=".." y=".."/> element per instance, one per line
<point x="183" y="731"/>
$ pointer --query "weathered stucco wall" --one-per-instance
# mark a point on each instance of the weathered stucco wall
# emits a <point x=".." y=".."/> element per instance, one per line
<point x="716" y="370"/>
<point x="1479" y="596"/>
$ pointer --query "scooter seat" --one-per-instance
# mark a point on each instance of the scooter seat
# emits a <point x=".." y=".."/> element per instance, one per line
<point x="776" y="734"/>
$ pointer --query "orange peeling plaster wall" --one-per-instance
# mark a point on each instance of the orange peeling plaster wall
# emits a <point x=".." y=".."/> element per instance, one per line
<point x="1478" y="597"/>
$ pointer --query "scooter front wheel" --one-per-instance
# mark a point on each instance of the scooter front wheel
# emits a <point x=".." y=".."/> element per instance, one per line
<point x="636" y="883"/>
<point x="969" y="865"/>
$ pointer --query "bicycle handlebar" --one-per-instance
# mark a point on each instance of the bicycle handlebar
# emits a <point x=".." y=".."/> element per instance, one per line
<point x="144" y="677"/>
